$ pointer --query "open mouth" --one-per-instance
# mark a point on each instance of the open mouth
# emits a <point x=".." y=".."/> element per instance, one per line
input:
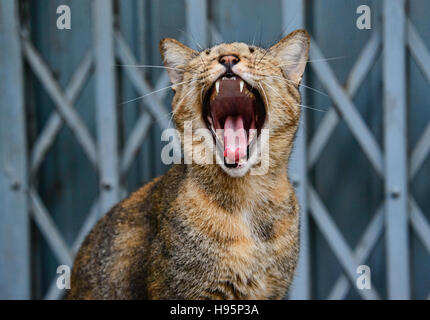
<point x="235" y="113"/>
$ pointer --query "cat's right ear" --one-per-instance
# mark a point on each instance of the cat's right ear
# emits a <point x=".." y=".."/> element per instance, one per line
<point x="175" y="57"/>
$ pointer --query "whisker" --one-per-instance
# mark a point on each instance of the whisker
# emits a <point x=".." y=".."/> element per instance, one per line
<point x="265" y="53"/>
<point x="255" y="32"/>
<point x="179" y="103"/>
<point x="171" y="117"/>
<point x="264" y="92"/>
<point x="147" y="66"/>
<point x="196" y="42"/>
<point x="165" y="115"/>
<point x="173" y="112"/>
<point x="168" y="87"/>
<point x="152" y="66"/>
<point x="191" y="90"/>
<point x="329" y="59"/>
<point x="309" y="61"/>
<point x="301" y="85"/>
<point x="301" y="105"/>
<point x="310" y="88"/>
<point x="311" y="108"/>
<point x="204" y="64"/>
<point x="188" y="34"/>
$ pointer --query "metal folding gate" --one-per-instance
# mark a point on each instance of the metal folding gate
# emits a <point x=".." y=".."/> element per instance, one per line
<point x="22" y="201"/>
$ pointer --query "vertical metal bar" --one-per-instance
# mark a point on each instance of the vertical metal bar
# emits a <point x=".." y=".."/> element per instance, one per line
<point x="106" y="106"/>
<point x="14" y="218"/>
<point x="144" y="31"/>
<point x="293" y="17"/>
<point x="143" y="37"/>
<point x="197" y="22"/>
<point x="395" y="141"/>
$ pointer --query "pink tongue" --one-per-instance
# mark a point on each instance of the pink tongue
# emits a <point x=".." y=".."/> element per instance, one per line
<point x="235" y="141"/>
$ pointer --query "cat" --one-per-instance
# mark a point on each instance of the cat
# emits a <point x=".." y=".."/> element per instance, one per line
<point x="210" y="231"/>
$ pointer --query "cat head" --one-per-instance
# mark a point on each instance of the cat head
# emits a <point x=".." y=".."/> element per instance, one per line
<point x="236" y="93"/>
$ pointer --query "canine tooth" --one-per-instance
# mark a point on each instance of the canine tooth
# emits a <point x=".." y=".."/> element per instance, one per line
<point x="224" y="78"/>
<point x="241" y="85"/>
<point x="217" y="87"/>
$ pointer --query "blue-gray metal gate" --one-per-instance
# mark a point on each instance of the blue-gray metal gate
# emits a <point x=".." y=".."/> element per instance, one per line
<point x="114" y="150"/>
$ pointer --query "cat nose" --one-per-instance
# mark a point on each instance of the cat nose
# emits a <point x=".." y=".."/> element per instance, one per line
<point x="229" y="60"/>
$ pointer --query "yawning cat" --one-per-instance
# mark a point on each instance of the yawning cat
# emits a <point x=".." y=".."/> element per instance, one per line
<point x="211" y="231"/>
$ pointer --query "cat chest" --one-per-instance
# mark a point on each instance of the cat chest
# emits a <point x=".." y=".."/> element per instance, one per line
<point x="243" y="263"/>
<point x="247" y="264"/>
<point x="244" y="269"/>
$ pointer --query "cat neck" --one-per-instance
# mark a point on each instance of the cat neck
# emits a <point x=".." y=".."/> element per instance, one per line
<point x="238" y="193"/>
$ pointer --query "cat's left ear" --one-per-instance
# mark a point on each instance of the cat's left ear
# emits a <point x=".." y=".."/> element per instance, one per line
<point x="175" y="57"/>
<point x="292" y="52"/>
